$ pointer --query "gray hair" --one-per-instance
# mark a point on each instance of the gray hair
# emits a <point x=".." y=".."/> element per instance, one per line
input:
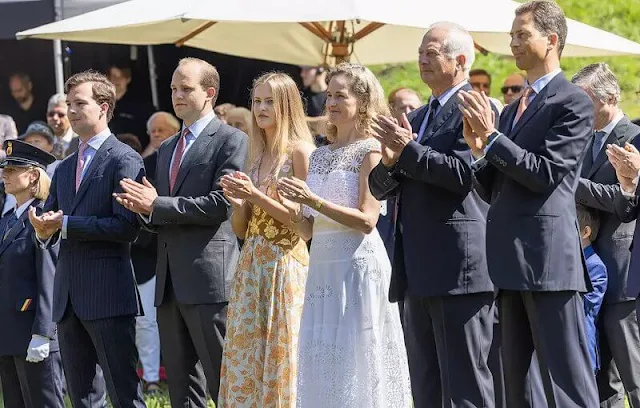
<point x="457" y="42"/>
<point x="57" y="100"/>
<point x="171" y="120"/>
<point x="600" y="81"/>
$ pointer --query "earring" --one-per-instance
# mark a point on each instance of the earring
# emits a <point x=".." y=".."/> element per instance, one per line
<point x="363" y="110"/>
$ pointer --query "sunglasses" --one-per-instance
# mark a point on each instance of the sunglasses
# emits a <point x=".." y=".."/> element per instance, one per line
<point x="513" y="88"/>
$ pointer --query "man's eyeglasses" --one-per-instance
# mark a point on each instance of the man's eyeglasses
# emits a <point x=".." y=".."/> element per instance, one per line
<point x="513" y="88"/>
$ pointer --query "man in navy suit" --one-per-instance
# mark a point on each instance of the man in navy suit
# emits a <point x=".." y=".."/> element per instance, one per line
<point x="439" y="266"/>
<point x="619" y="337"/>
<point x="95" y="300"/>
<point x="528" y="169"/>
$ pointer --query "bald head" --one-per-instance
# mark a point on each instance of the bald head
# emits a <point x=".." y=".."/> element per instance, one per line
<point x="513" y="87"/>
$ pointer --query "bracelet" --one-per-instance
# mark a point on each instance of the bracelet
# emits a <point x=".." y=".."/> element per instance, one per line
<point x="318" y="204"/>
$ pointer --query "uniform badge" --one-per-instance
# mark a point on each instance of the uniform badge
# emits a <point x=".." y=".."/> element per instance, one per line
<point x="9" y="148"/>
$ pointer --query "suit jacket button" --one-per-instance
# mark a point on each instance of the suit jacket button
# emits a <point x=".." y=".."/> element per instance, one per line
<point x="164" y="244"/>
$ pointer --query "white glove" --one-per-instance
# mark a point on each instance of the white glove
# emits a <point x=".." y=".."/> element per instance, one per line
<point x="38" y="348"/>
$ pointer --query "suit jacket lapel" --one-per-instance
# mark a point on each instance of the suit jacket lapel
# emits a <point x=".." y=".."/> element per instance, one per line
<point x="95" y="163"/>
<point x="418" y="117"/>
<point x="531" y="110"/>
<point x="195" y="151"/>
<point x="587" y="163"/>
<point x="163" y="167"/>
<point x="617" y="136"/>
<point x="17" y="227"/>
<point x="443" y="115"/>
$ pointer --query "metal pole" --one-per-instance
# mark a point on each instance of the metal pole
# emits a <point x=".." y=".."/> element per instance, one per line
<point x="57" y="50"/>
<point x="152" y="76"/>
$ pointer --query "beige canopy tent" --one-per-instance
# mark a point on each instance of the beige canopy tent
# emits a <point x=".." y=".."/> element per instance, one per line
<point x="303" y="33"/>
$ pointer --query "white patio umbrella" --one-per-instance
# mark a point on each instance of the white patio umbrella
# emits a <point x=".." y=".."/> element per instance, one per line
<point x="304" y="33"/>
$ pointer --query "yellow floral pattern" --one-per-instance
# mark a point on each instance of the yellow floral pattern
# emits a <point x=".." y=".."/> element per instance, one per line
<point x="259" y="364"/>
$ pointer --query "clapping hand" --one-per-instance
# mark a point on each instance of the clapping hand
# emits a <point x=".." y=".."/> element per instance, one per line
<point x="45" y="224"/>
<point x="137" y="197"/>
<point x="626" y="162"/>
<point x="393" y="137"/>
<point x="296" y="190"/>
<point x="476" y="108"/>
<point x="238" y="188"/>
<point x="473" y="140"/>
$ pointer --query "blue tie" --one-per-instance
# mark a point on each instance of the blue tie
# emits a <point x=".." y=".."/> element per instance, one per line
<point x="9" y="220"/>
<point x="598" y="142"/>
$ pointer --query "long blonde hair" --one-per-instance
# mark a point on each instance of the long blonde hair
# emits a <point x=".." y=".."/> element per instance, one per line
<point x="367" y="90"/>
<point x="291" y="125"/>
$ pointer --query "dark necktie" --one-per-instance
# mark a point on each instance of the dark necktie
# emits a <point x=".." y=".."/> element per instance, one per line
<point x="433" y="108"/>
<point x="599" y="139"/>
<point x="9" y="221"/>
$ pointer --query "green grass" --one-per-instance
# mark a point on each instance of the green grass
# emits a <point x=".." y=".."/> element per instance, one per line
<point x="616" y="16"/>
<point x="155" y="401"/>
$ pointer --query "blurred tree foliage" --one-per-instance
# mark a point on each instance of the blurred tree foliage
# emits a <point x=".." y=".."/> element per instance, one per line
<point x="620" y="17"/>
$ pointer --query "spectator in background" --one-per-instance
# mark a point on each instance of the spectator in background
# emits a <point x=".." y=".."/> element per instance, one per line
<point x="8" y="131"/>
<point x="40" y="135"/>
<point x="403" y="100"/>
<point x="239" y="118"/>
<point x="160" y="127"/>
<point x="25" y="108"/>
<point x="130" y="140"/>
<point x="513" y="87"/>
<point x="131" y="113"/>
<point x="314" y="93"/>
<point x="66" y="141"/>
<point x="221" y="111"/>
<point x="480" y="81"/>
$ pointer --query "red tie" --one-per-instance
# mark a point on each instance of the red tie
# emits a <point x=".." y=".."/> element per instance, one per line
<point x="177" y="158"/>
<point x="524" y="103"/>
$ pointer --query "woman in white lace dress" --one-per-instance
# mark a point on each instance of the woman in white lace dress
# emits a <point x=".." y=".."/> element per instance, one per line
<point x="351" y="346"/>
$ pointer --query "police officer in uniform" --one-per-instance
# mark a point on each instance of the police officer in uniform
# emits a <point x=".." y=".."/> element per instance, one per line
<point x="29" y="357"/>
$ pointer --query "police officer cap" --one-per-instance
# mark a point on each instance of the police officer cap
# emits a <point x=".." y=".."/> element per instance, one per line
<point x="23" y="154"/>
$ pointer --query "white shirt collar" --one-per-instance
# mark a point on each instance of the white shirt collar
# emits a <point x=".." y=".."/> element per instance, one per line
<point x="9" y="203"/>
<point x="20" y="210"/>
<point x="446" y="95"/>
<point x="97" y="141"/>
<point x="544" y="80"/>
<point x="611" y="125"/>
<point x="198" y="126"/>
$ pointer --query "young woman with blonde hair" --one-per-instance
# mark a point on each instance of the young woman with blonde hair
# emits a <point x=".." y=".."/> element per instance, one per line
<point x="259" y="359"/>
<point x="352" y="351"/>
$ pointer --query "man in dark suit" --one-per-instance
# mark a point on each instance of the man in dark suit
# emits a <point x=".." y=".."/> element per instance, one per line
<point x="95" y="300"/>
<point x="197" y="250"/>
<point x="439" y="266"/>
<point x="529" y="170"/>
<point x="598" y="186"/>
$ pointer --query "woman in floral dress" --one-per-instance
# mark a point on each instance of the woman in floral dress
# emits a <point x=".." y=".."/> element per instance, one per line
<point x="260" y="352"/>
